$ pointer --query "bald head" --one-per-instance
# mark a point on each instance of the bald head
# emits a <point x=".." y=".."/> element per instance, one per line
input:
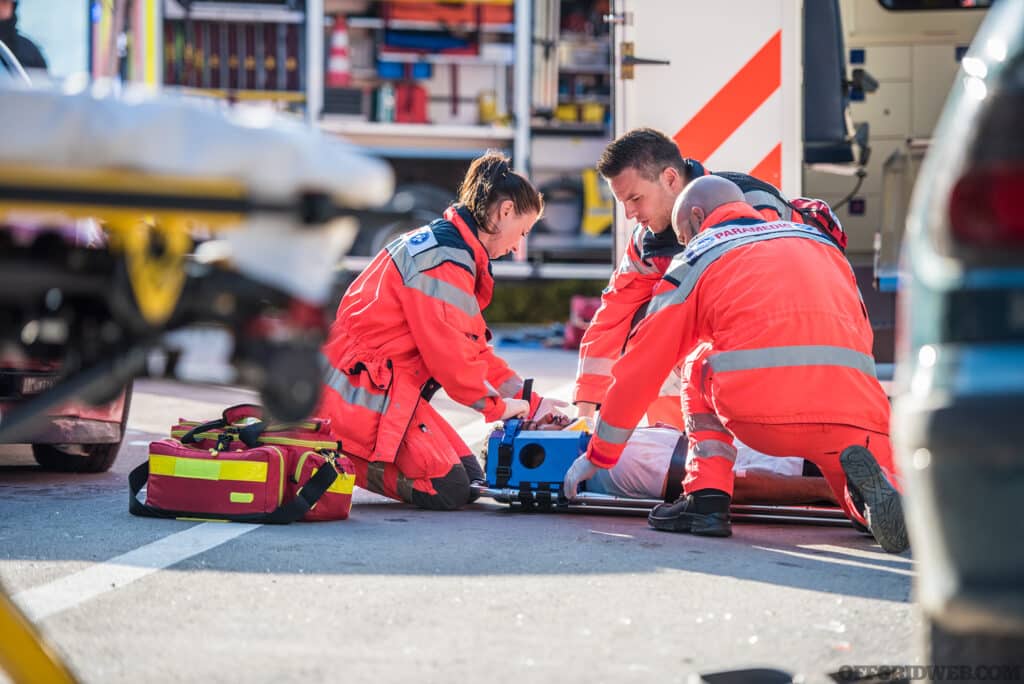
<point x="697" y="200"/>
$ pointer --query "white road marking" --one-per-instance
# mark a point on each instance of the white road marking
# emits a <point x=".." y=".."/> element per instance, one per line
<point x="67" y="592"/>
<point x="839" y="561"/>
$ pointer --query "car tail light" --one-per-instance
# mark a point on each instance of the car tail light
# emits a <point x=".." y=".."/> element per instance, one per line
<point x="986" y="207"/>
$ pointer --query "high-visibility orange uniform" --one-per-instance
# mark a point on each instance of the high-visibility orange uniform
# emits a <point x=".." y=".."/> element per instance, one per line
<point x="643" y="263"/>
<point x="775" y="343"/>
<point x="410" y="323"/>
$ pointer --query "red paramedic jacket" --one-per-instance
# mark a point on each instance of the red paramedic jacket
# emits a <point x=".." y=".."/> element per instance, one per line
<point x="410" y="322"/>
<point x="644" y="261"/>
<point x="779" y="304"/>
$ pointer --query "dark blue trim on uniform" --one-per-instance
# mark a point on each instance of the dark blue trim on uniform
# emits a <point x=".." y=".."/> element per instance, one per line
<point x="694" y="169"/>
<point x="742" y="221"/>
<point x="447" y="235"/>
<point x="468" y="219"/>
<point x="748" y="183"/>
<point x="660" y="244"/>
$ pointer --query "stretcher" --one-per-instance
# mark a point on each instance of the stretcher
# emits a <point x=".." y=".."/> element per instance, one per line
<point x="526" y="468"/>
<point x="236" y="219"/>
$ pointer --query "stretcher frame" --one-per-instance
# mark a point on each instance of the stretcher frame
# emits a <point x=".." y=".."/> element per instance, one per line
<point x="590" y="502"/>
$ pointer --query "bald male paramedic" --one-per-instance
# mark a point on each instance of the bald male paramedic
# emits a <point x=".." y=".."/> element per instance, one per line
<point x="786" y="366"/>
<point x="646" y="173"/>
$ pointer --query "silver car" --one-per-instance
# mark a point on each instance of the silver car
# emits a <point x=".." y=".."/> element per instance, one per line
<point x="958" y="419"/>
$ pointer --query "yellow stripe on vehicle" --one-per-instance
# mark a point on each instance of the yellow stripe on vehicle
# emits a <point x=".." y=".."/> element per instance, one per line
<point x="202" y="469"/>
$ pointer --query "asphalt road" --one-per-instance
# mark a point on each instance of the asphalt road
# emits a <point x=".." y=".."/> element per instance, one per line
<point x="396" y="594"/>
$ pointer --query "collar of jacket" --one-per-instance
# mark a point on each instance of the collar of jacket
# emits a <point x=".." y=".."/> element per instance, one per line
<point x="694" y="169"/>
<point x="463" y="220"/>
<point x="732" y="212"/>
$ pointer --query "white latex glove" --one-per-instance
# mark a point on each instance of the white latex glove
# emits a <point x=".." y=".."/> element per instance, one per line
<point x="515" y="408"/>
<point x="585" y="409"/>
<point x="581" y="469"/>
<point x="549" y="406"/>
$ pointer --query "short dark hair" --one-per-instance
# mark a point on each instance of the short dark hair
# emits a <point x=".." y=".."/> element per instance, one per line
<point x="489" y="180"/>
<point x="648" y="151"/>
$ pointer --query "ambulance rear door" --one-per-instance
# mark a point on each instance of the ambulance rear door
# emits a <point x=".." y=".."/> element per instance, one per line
<point x="721" y="78"/>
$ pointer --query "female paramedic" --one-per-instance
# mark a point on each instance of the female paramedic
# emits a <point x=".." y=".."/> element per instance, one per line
<point x="410" y="324"/>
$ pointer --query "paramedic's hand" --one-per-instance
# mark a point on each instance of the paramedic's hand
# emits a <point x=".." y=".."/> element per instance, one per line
<point x="548" y="406"/>
<point x="581" y="469"/>
<point x="585" y="409"/>
<point x="516" y="408"/>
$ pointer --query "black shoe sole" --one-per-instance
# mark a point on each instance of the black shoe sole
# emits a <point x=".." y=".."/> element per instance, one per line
<point x="883" y="504"/>
<point x="706" y="524"/>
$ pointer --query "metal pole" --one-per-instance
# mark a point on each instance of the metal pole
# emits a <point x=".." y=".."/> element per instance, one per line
<point x="521" y="75"/>
<point x="314" y="60"/>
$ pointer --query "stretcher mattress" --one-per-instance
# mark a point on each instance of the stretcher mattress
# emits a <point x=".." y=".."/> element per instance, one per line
<point x="275" y="158"/>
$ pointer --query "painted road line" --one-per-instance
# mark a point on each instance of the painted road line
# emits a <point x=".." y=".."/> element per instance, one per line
<point x="67" y="592"/>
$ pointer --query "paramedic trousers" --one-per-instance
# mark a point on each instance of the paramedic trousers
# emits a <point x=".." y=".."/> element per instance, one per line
<point x="667" y="410"/>
<point x="433" y="468"/>
<point x="711" y="454"/>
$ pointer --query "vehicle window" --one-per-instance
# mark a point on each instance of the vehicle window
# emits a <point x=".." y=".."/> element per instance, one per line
<point x="61" y="30"/>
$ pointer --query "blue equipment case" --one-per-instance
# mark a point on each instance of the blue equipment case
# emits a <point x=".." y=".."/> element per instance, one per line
<point x="534" y="462"/>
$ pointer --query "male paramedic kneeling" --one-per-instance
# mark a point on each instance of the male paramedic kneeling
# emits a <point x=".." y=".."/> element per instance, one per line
<point x="646" y="172"/>
<point x="786" y="366"/>
<point x="410" y="324"/>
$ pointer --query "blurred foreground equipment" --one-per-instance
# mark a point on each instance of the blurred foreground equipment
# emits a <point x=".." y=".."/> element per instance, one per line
<point x="154" y="178"/>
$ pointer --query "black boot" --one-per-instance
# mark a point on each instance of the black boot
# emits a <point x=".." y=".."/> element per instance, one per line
<point x="875" y="498"/>
<point x="477" y="480"/>
<point x="704" y="512"/>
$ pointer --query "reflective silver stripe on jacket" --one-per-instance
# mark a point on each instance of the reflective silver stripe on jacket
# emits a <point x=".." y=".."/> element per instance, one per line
<point x="481" y="404"/>
<point x="712" y="448"/>
<point x="797" y="355"/>
<point x="594" y="366"/>
<point x="510" y="387"/>
<point x="687" y="274"/>
<point x="412" y="269"/>
<point x="352" y="394"/>
<point x="610" y="433"/>
<point x="700" y="422"/>
<point x="762" y="198"/>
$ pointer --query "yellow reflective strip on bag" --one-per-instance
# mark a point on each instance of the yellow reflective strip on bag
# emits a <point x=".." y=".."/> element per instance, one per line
<point x="280" y="484"/>
<point x="344" y="484"/>
<point x="202" y="469"/>
<point x="298" y="466"/>
<point x="341" y="485"/>
<point x="290" y="441"/>
<point x="242" y="497"/>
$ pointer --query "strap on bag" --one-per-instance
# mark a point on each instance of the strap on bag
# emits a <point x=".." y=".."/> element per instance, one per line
<point x="294" y="510"/>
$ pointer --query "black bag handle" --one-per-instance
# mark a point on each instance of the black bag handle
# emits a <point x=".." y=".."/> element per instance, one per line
<point x="190" y="436"/>
<point x="295" y="509"/>
<point x="249" y="434"/>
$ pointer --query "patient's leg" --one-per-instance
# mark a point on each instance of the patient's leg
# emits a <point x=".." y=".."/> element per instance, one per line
<point x="757" y="486"/>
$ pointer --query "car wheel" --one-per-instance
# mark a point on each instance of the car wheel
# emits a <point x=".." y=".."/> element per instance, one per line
<point x="89" y="458"/>
<point x="83" y="458"/>
<point x="945" y="647"/>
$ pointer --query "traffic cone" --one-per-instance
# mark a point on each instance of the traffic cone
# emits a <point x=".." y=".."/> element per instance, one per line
<point x="339" y="73"/>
